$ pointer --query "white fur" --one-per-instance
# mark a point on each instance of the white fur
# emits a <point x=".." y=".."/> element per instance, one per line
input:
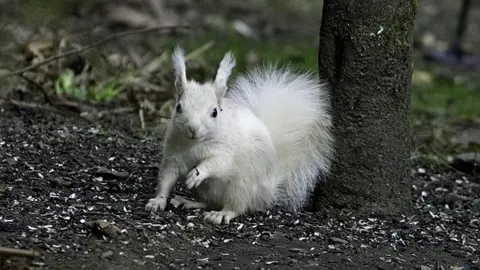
<point x="268" y="145"/>
<point x="295" y="108"/>
<point x="225" y="70"/>
<point x="179" y="66"/>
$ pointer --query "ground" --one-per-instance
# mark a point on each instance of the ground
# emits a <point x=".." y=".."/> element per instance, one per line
<point x="54" y="183"/>
<point x="74" y="190"/>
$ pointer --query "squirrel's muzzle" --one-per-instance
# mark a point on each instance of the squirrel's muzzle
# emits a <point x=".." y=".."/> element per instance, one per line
<point x="192" y="132"/>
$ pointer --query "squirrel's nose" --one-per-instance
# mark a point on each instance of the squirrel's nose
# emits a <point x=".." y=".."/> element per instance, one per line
<point x="192" y="131"/>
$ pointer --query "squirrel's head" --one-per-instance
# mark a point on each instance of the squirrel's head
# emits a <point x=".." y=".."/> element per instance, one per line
<point x="198" y="106"/>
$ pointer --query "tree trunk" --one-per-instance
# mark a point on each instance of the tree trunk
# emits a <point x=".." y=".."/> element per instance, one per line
<point x="365" y="52"/>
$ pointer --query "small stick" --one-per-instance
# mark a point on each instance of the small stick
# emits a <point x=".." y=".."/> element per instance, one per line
<point x="46" y="108"/>
<point x="114" y="111"/>
<point x="4" y="251"/>
<point x="39" y="87"/>
<point x="142" y="118"/>
<point x="109" y="214"/>
<point x="82" y="49"/>
<point x="141" y="115"/>
<point x="72" y="104"/>
<point x="145" y="235"/>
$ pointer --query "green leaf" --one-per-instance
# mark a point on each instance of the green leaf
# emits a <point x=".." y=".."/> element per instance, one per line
<point x="64" y="83"/>
<point x="107" y="91"/>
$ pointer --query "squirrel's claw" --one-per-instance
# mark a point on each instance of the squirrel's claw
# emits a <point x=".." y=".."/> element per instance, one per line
<point x="155" y="204"/>
<point x="194" y="178"/>
<point x="217" y="217"/>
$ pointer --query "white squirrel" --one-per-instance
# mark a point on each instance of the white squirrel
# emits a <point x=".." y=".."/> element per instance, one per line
<point x="263" y="142"/>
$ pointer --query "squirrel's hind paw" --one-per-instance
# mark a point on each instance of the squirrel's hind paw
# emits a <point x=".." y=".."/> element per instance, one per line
<point x="217" y="217"/>
<point x="155" y="204"/>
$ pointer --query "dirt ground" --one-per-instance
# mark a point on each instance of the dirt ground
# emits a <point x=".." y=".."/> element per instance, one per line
<point x="55" y="180"/>
<point x="75" y="193"/>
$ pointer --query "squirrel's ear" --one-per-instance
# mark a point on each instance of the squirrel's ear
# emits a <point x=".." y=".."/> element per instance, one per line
<point x="179" y="68"/>
<point x="223" y="72"/>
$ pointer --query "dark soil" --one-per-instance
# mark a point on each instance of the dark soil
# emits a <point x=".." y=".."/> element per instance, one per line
<point x="51" y="188"/>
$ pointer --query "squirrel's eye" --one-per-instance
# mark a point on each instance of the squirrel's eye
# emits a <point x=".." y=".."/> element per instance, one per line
<point x="214" y="113"/>
<point x="179" y="108"/>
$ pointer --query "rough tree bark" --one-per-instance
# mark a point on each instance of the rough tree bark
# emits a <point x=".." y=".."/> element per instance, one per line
<point x="365" y="52"/>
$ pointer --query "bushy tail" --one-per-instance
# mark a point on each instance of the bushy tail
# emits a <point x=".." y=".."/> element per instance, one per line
<point x="295" y="107"/>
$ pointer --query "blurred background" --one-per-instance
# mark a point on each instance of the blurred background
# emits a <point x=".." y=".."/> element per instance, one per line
<point x="133" y="73"/>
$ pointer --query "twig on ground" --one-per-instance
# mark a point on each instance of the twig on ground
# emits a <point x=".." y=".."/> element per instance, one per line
<point x="4" y="251"/>
<point x="145" y="235"/>
<point x="85" y="48"/>
<point x="39" y="87"/>
<point x="88" y="111"/>
<point x="114" y="111"/>
<point x="142" y="117"/>
<point x="47" y="108"/>
<point x="59" y="102"/>
<point x="111" y="215"/>
<point x="81" y="107"/>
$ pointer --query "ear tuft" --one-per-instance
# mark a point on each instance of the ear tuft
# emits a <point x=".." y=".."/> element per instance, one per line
<point x="179" y="66"/>
<point x="223" y="73"/>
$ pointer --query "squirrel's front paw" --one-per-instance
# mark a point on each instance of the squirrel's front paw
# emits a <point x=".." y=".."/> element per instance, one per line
<point x="194" y="178"/>
<point x="156" y="203"/>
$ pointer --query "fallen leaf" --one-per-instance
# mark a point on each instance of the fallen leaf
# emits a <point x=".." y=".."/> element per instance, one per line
<point x="103" y="228"/>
